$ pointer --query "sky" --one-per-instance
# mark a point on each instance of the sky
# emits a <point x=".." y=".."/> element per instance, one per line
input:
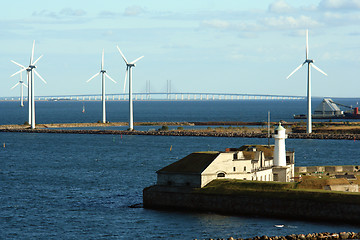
<point x="228" y="46"/>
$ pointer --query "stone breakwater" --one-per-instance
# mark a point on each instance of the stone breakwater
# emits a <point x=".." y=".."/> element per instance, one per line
<point x="309" y="236"/>
<point x="316" y="206"/>
<point x="192" y="133"/>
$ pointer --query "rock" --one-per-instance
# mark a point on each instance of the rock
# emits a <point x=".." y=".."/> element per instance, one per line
<point x="301" y="236"/>
<point x="344" y="235"/>
<point x="335" y="236"/>
<point x="308" y="236"/>
<point x="352" y="235"/>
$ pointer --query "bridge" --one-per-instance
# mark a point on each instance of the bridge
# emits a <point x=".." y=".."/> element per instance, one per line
<point x="162" y="96"/>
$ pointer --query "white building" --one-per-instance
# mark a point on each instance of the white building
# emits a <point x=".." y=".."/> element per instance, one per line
<point x="249" y="162"/>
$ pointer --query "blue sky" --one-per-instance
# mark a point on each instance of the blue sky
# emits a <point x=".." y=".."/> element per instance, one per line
<point x="228" y="46"/>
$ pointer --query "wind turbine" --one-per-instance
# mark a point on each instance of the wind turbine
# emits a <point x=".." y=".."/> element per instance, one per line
<point x="31" y="82"/>
<point x="103" y="74"/>
<point x="22" y="84"/>
<point x="128" y="69"/>
<point x="310" y="63"/>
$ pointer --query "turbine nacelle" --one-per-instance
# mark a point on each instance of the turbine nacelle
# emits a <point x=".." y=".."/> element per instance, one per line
<point x="309" y="61"/>
<point x="129" y="65"/>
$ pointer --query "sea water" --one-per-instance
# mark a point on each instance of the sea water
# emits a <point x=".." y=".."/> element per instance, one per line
<point x="70" y="186"/>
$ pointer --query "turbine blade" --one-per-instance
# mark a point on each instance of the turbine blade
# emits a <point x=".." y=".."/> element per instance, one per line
<point x="318" y="69"/>
<point x="126" y="73"/>
<point x="32" y="53"/>
<point x="136" y="60"/>
<point x="110" y="78"/>
<point x="307" y="43"/>
<point x="21" y="70"/>
<point x="93" y="77"/>
<point x="37" y="74"/>
<point x="122" y="55"/>
<point x="37" y="59"/>
<point x="295" y="70"/>
<point x="102" y="60"/>
<point x="17" y="64"/>
<point x="24" y="84"/>
<point x="15" y="86"/>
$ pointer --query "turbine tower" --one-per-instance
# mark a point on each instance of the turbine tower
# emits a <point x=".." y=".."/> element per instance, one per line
<point x="103" y="74"/>
<point x="22" y="84"/>
<point x="128" y="68"/>
<point x="31" y="82"/>
<point x="310" y="63"/>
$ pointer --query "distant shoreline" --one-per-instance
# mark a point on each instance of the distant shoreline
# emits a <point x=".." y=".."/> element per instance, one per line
<point x="212" y="132"/>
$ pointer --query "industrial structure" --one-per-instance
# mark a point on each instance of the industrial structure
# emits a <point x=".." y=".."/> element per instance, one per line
<point x="328" y="109"/>
<point x="310" y="63"/>
<point x="31" y="83"/>
<point x="129" y="69"/>
<point x="103" y="74"/>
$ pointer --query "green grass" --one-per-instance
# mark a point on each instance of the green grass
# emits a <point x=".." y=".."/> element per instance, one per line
<point x="276" y="190"/>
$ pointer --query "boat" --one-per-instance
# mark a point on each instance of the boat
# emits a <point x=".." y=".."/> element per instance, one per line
<point x="328" y="109"/>
<point x="83" y="110"/>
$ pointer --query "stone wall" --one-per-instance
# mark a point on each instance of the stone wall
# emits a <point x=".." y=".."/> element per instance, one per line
<point x="327" y="169"/>
<point x="282" y="205"/>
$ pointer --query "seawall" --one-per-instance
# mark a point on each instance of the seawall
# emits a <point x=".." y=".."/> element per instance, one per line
<point x="192" y="133"/>
<point x="300" y="205"/>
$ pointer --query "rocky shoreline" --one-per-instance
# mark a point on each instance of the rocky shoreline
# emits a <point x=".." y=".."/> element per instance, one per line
<point x="309" y="236"/>
<point x="191" y="133"/>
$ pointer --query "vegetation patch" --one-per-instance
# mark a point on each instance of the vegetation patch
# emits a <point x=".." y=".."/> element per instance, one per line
<point x="291" y="191"/>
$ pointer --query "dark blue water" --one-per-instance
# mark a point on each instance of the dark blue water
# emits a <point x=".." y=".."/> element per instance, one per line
<point x="56" y="186"/>
<point x="169" y="111"/>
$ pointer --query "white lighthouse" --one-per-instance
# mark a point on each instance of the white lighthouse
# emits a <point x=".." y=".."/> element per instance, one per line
<point x="279" y="151"/>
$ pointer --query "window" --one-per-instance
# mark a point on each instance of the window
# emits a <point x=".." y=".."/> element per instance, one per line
<point x="235" y="156"/>
<point x="221" y="174"/>
<point x="245" y="169"/>
<point x="234" y="169"/>
<point x="288" y="160"/>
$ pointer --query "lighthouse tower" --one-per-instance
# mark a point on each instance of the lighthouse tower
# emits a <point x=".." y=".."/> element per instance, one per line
<point x="279" y="151"/>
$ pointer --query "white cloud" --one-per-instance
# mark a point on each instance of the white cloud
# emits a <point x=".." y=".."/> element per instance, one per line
<point x="133" y="11"/>
<point x="340" y="4"/>
<point x="280" y="6"/>
<point x="45" y="13"/>
<point x="289" y="22"/>
<point x="72" y="12"/>
<point x="68" y="12"/>
<point x="108" y="14"/>
<point x="216" y="23"/>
